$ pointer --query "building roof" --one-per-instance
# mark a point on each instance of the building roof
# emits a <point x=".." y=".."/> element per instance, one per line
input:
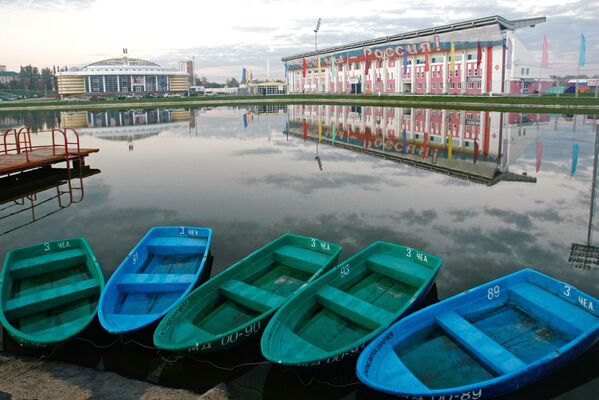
<point x="123" y="61"/>
<point x="504" y="24"/>
<point x="9" y="73"/>
<point x="122" y="65"/>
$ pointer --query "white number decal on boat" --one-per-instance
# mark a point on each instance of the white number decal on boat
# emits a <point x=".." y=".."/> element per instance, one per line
<point x="471" y="395"/>
<point x="181" y="230"/>
<point x="567" y="290"/>
<point x="63" y="245"/>
<point x="135" y="258"/>
<point x="408" y="252"/>
<point x="345" y="271"/>
<point x="313" y="242"/>
<point x="493" y="292"/>
<point x="46" y="246"/>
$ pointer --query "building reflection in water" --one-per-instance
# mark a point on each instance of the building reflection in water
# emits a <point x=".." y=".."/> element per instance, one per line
<point x="472" y="145"/>
<point x="129" y="125"/>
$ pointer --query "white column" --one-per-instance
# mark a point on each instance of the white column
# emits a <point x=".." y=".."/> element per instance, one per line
<point x="445" y="73"/>
<point x="103" y="83"/>
<point x="443" y="126"/>
<point x="385" y="74"/>
<point x="463" y="72"/>
<point x="427" y="80"/>
<point x="118" y="83"/>
<point x="483" y="75"/>
<point x="413" y="74"/>
<point x="398" y="77"/>
<point x="363" y="77"/>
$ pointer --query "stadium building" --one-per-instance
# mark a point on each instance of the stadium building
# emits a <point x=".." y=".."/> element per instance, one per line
<point x="479" y="56"/>
<point x="121" y="75"/>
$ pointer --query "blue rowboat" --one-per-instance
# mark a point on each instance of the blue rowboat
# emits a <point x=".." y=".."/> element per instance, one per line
<point x="160" y="270"/>
<point x="485" y="342"/>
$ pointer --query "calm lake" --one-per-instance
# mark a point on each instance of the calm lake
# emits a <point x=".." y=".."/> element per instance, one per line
<point x="515" y="191"/>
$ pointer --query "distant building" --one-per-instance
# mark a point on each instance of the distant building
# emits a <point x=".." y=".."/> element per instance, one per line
<point x="487" y="56"/>
<point x="266" y="88"/>
<point x="121" y="75"/>
<point x="2" y="68"/>
<point x="187" y="67"/>
<point x="7" y="76"/>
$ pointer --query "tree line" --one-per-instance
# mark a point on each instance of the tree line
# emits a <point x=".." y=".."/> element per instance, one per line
<point x="32" y="78"/>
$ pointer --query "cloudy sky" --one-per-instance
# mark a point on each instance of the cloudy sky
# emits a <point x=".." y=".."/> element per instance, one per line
<point x="226" y="35"/>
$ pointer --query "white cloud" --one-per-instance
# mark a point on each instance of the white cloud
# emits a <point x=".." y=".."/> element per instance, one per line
<point x="228" y="34"/>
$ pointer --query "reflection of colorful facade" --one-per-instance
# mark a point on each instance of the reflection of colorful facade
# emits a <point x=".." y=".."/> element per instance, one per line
<point x="421" y="62"/>
<point x="479" y="149"/>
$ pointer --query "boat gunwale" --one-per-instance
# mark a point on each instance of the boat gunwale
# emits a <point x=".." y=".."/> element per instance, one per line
<point x="461" y="299"/>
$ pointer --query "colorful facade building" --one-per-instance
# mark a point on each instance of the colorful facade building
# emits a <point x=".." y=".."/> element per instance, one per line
<point x="121" y="75"/>
<point x="480" y="56"/>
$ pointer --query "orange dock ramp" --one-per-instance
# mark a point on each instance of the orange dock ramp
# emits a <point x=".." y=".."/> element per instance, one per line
<point x="19" y="154"/>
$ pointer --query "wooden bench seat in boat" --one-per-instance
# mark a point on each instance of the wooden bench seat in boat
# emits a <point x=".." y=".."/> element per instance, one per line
<point x="51" y="298"/>
<point x="177" y="245"/>
<point x="550" y="308"/>
<point x="46" y="263"/>
<point x="302" y="259"/>
<point x="485" y="349"/>
<point x="151" y="283"/>
<point x="405" y="271"/>
<point x="354" y="309"/>
<point x="250" y="296"/>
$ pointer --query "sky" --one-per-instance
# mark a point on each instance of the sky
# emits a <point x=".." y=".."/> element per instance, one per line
<point x="226" y="35"/>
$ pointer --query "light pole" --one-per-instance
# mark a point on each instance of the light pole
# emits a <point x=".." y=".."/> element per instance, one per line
<point x="316" y="34"/>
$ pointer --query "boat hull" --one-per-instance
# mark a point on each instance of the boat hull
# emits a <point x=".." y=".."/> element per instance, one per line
<point x="342" y="311"/>
<point x="514" y="331"/>
<point x="233" y="307"/>
<point x="165" y="266"/>
<point x="49" y="292"/>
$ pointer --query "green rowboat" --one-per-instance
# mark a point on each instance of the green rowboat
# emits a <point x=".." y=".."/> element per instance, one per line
<point x="50" y="291"/>
<point x="339" y="313"/>
<point x="233" y="306"/>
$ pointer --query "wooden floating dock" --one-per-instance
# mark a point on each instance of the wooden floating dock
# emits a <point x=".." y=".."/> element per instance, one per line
<point x="18" y="154"/>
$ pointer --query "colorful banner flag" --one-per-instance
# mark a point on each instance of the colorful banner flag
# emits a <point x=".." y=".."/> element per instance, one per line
<point x="425" y="150"/>
<point x="245" y="120"/>
<point x="426" y="63"/>
<point x="319" y="132"/>
<point x="404" y="142"/>
<point x="539" y="155"/>
<point x="452" y="57"/>
<point x="508" y="61"/>
<point x="304" y="68"/>
<point x="574" y="158"/>
<point x="334" y="132"/>
<point x="319" y="69"/>
<point x="305" y="131"/>
<point x="450" y="147"/>
<point x="479" y="55"/>
<point x="367" y="62"/>
<point x="582" y="55"/>
<point x="405" y="60"/>
<point x="475" y="151"/>
<point x="545" y="57"/>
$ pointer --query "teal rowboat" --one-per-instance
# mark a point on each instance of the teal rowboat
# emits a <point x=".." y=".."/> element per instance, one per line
<point x="339" y="313"/>
<point x="233" y="306"/>
<point x="50" y="291"/>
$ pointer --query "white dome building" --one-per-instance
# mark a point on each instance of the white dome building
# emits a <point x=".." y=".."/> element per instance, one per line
<point x="121" y="75"/>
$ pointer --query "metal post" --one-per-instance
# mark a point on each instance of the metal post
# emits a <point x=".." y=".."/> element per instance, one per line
<point x="593" y="186"/>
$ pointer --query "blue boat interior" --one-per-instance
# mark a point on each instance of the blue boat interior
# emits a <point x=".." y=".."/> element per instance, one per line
<point x="159" y="270"/>
<point x="469" y="345"/>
